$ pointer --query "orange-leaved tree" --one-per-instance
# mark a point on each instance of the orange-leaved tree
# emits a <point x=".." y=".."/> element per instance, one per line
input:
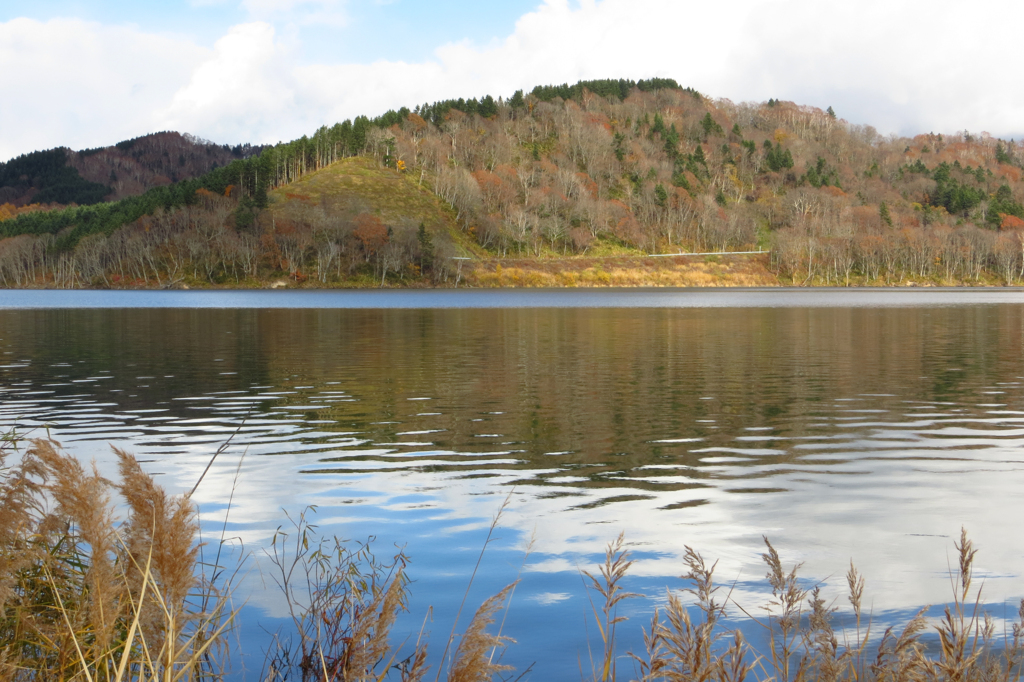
<point x="371" y="233"/>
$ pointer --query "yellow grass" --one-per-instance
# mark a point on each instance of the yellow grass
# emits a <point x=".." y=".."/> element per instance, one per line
<point x="620" y="272"/>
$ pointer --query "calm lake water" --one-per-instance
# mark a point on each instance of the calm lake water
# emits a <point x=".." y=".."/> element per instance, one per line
<point x="864" y="425"/>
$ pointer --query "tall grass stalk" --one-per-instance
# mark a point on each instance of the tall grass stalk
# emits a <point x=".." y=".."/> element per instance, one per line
<point x="85" y="595"/>
<point x="802" y="644"/>
<point x="684" y="648"/>
<point x="343" y="602"/>
<point x="607" y="584"/>
<point x="487" y="541"/>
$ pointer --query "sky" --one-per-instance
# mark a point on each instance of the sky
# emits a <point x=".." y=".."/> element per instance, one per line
<point x="87" y="73"/>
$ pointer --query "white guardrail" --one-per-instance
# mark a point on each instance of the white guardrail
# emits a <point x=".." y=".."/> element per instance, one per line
<point x="646" y="255"/>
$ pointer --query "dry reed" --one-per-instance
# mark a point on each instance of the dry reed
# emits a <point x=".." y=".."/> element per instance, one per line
<point x="607" y="584"/>
<point x="802" y="645"/>
<point x="473" y="659"/>
<point x="343" y="602"/>
<point x="87" y="596"/>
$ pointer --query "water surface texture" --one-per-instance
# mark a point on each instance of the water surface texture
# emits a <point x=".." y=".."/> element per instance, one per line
<point x="870" y="430"/>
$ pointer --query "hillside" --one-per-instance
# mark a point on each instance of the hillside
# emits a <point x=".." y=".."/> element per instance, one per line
<point x="62" y="176"/>
<point x="356" y="215"/>
<point x="133" y="166"/>
<point x="360" y="185"/>
<point x="597" y="170"/>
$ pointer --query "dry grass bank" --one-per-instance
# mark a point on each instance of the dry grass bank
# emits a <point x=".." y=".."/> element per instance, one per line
<point x="626" y="271"/>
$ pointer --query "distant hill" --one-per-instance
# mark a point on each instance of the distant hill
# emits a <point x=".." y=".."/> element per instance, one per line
<point x="129" y="168"/>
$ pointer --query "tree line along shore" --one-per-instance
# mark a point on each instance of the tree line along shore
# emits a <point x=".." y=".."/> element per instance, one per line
<point x="563" y="186"/>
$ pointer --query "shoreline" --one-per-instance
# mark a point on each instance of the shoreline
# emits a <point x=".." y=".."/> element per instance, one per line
<point x="508" y="298"/>
<point x="728" y="270"/>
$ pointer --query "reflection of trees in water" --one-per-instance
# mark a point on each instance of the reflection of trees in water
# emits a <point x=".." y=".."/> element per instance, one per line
<point x="601" y="387"/>
<point x="647" y="399"/>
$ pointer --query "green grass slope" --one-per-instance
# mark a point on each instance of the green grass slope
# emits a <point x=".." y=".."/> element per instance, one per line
<point x="359" y="185"/>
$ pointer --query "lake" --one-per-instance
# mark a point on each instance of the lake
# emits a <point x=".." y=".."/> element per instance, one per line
<point x="843" y="424"/>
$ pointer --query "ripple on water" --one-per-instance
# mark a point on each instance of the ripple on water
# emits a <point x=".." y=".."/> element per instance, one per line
<point x="838" y="431"/>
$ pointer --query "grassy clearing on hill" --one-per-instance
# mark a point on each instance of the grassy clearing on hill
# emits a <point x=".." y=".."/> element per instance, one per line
<point x="361" y="185"/>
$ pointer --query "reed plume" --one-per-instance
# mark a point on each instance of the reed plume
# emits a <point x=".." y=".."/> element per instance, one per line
<point x="473" y="657"/>
<point x="162" y="531"/>
<point x="83" y="501"/>
<point x="611" y="573"/>
<point x="86" y="595"/>
<point x="683" y="649"/>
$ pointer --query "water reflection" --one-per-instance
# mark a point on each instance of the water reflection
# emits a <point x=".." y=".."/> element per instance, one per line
<point x="871" y="433"/>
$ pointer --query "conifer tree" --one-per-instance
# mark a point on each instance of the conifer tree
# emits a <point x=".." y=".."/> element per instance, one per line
<point x="426" y="248"/>
<point x="883" y="212"/>
<point x="660" y="195"/>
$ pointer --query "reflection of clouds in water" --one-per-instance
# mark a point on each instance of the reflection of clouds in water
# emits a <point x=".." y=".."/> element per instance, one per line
<point x="902" y="543"/>
<point x="547" y="598"/>
<point x="894" y="512"/>
<point x="897" y="523"/>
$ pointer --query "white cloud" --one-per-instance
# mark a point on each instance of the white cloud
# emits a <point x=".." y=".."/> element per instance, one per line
<point x="81" y="84"/>
<point x="904" y="66"/>
<point x="887" y="64"/>
<point x="242" y="88"/>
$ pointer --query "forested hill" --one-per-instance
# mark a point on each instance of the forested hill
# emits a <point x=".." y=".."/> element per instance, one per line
<point x="128" y="168"/>
<point x="599" y="167"/>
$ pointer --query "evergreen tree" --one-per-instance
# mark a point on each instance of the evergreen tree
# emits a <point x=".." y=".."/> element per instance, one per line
<point x="1003" y="156"/>
<point x="819" y="175"/>
<point x="660" y="195"/>
<point x="659" y="125"/>
<point x="679" y="179"/>
<point x="917" y="167"/>
<point x="54" y="180"/>
<point x="883" y="212"/>
<point x="671" y="137"/>
<point x="1003" y="204"/>
<point x="488" y="107"/>
<point x="956" y="197"/>
<point x="360" y="127"/>
<point x="710" y="126"/>
<point x="617" y="140"/>
<point x="777" y="158"/>
<point x="426" y="248"/>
